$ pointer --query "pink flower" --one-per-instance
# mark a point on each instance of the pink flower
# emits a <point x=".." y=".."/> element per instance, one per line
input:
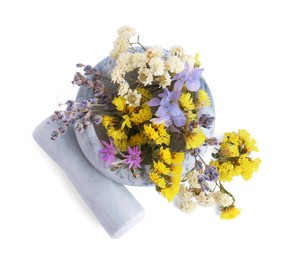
<point x="108" y="153"/>
<point x="133" y="158"/>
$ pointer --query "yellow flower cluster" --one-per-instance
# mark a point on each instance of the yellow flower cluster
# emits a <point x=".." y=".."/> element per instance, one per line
<point x="157" y="134"/>
<point x="124" y="130"/>
<point x="234" y="156"/>
<point x="166" y="172"/>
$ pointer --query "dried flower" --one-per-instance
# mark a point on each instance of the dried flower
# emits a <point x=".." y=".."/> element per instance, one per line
<point x="133" y="159"/>
<point x="156" y="113"/>
<point x="108" y="153"/>
<point x="229" y="213"/>
<point x="189" y="77"/>
<point x="133" y="98"/>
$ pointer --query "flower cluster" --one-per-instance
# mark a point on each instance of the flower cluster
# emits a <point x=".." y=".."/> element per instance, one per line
<point x="203" y="184"/>
<point x="157" y="103"/>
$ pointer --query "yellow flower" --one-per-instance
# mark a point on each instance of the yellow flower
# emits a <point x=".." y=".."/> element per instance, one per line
<point x="146" y="96"/>
<point x="119" y="137"/>
<point x="120" y="103"/>
<point x="186" y="101"/>
<point x="150" y="132"/>
<point x="144" y="114"/>
<point x="194" y="140"/>
<point x="226" y="170"/>
<point x="165" y="155"/>
<point x="126" y="122"/>
<point x="177" y="157"/>
<point x="248" y="166"/>
<point x="160" y="167"/>
<point x="137" y="139"/>
<point x="170" y="192"/>
<point x="232" y="138"/>
<point x="176" y="170"/>
<point x="229" y="213"/>
<point x="164" y="137"/>
<point x="121" y="144"/>
<point x="109" y="121"/>
<point x="229" y="150"/>
<point x="157" y="179"/>
<point x="157" y="133"/>
<point x="197" y="60"/>
<point x="203" y="99"/>
<point x="116" y="134"/>
<point x="248" y="142"/>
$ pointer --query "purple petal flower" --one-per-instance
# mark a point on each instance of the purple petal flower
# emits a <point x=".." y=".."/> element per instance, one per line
<point x="133" y="158"/>
<point x="189" y="76"/>
<point x="108" y="153"/>
<point x="168" y="111"/>
<point x="163" y="117"/>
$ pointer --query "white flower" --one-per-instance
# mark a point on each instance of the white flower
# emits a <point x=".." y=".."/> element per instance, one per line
<point x="223" y="199"/>
<point x="139" y="60"/>
<point x="156" y="66"/>
<point x="174" y="64"/>
<point x="126" y="32"/>
<point x="117" y="75"/>
<point x="165" y="80"/>
<point x="187" y="204"/>
<point x="123" y="88"/>
<point x="133" y="98"/>
<point x="154" y="51"/>
<point x="184" y="192"/>
<point x="145" y="76"/>
<point x="177" y="50"/>
<point x="121" y="44"/>
<point x="192" y="179"/>
<point x="205" y="200"/>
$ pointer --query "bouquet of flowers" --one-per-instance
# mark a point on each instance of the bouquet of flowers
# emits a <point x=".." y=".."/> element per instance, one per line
<point x="153" y="116"/>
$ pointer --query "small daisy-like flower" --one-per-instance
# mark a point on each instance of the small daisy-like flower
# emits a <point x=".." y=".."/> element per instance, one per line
<point x="145" y="77"/>
<point x="133" y="158"/>
<point x="156" y="66"/>
<point x="133" y="98"/>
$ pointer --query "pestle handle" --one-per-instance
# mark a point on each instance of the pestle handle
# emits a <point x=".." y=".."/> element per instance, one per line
<point x="113" y="205"/>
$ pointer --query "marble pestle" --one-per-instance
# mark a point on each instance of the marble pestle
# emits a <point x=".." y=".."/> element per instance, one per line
<point x="113" y="205"/>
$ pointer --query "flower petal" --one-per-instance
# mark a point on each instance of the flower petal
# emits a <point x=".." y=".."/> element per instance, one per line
<point x="178" y="85"/>
<point x="174" y="109"/>
<point x="193" y="84"/>
<point x="179" y="120"/>
<point x="175" y="95"/>
<point x="154" y="102"/>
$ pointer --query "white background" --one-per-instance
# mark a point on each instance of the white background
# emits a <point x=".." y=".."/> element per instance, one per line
<point x="245" y="48"/>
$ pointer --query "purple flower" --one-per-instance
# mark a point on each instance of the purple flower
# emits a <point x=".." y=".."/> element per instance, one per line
<point x="206" y="120"/>
<point x="133" y="158"/>
<point x="203" y="183"/>
<point x="168" y="111"/>
<point x="108" y="153"/>
<point x="189" y="76"/>
<point x="211" y="173"/>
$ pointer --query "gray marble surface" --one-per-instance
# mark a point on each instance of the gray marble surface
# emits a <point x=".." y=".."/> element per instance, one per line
<point x="113" y="205"/>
